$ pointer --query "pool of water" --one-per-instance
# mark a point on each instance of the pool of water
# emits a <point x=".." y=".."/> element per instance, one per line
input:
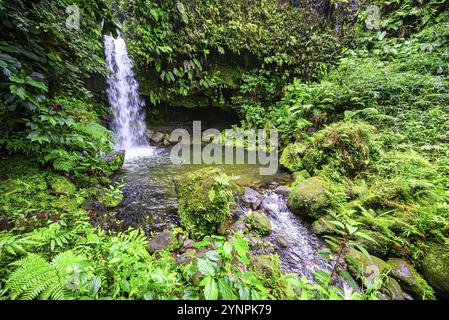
<point x="150" y="201"/>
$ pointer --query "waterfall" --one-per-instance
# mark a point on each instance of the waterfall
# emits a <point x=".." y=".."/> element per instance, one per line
<point x="128" y="119"/>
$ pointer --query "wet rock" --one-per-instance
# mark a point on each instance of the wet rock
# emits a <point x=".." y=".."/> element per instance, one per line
<point x="258" y="223"/>
<point x="157" y="137"/>
<point x="148" y="134"/>
<point x="186" y="257"/>
<point x="188" y="243"/>
<point x="291" y="157"/>
<point x="435" y="266"/>
<point x="322" y="226"/>
<point x="309" y="198"/>
<point x="380" y="248"/>
<point x="204" y="200"/>
<point x="282" y="190"/>
<point x="161" y="241"/>
<point x="252" y="198"/>
<point x="238" y="226"/>
<point x="166" y="142"/>
<point x="282" y="242"/>
<point x="259" y="245"/>
<point x="410" y="280"/>
<point x="267" y="265"/>
<point x="370" y="269"/>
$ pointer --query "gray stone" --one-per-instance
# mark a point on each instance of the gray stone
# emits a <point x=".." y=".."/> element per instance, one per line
<point x="160" y="242"/>
<point x="252" y="198"/>
<point x="283" y="191"/>
<point x="157" y="137"/>
<point x="282" y="242"/>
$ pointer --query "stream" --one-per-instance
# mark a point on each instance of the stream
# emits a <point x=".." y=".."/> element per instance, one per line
<point x="150" y="202"/>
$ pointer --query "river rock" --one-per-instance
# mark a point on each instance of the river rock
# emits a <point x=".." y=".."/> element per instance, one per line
<point x="309" y="198"/>
<point x="435" y="266"/>
<point x="252" y="198"/>
<point x="281" y="241"/>
<point x="282" y="190"/>
<point x="266" y="264"/>
<point x="157" y="137"/>
<point x="186" y="257"/>
<point x="370" y="268"/>
<point x="238" y="226"/>
<point x="322" y="226"/>
<point x="258" y="223"/>
<point x="410" y="280"/>
<point x="188" y="243"/>
<point x="161" y="241"/>
<point x="259" y="245"/>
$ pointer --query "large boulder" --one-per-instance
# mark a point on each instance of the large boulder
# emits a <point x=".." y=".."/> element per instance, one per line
<point x="204" y="200"/>
<point x="258" y="223"/>
<point x="291" y="157"/>
<point x="369" y="271"/>
<point x="435" y="268"/>
<point x="323" y="226"/>
<point x="410" y="280"/>
<point x="309" y="198"/>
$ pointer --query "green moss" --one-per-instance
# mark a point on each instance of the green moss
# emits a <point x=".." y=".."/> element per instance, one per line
<point x="258" y="223"/>
<point x="300" y="177"/>
<point x="291" y="157"/>
<point x="266" y="265"/>
<point x="322" y="226"/>
<point x="410" y="280"/>
<point x="62" y="185"/>
<point x="309" y="198"/>
<point x="435" y="267"/>
<point x="204" y="200"/>
<point x="345" y="147"/>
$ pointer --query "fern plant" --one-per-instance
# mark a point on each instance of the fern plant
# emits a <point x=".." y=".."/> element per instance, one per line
<point x="37" y="278"/>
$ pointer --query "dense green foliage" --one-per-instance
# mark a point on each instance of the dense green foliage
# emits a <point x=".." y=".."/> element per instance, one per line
<point x="201" y="53"/>
<point x="46" y="113"/>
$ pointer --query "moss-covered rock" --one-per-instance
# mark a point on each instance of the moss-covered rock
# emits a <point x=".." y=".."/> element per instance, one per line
<point x="322" y="226"/>
<point x="369" y="270"/>
<point x="309" y="198"/>
<point x="266" y="265"/>
<point x="381" y="246"/>
<point x="435" y="268"/>
<point x="346" y="147"/>
<point x="410" y="280"/>
<point x="258" y="223"/>
<point x="204" y="200"/>
<point x="291" y="157"/>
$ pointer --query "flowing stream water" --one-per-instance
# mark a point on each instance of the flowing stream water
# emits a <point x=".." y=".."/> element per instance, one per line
<point x="150" y="197"/>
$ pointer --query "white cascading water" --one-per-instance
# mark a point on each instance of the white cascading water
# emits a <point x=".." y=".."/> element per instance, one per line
<point x="128" y="119"/>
